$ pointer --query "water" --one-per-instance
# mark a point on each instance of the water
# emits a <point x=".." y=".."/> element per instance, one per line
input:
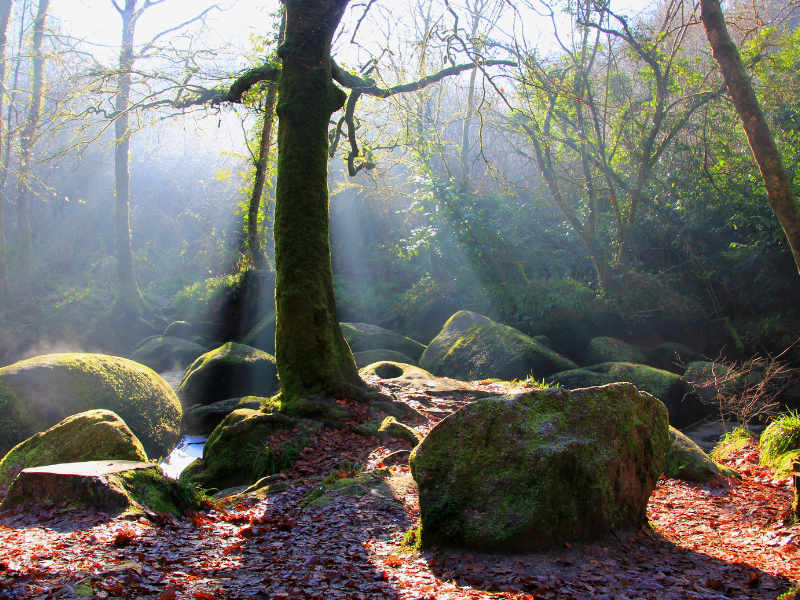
<point x="188" y="449"/>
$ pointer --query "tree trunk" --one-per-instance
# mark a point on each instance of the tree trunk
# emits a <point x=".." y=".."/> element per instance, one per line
<point x="26" y="142"/>
<point x="312" y="356"/>
<point x="5" y="13"/>
<point x="776" y="179"/>
<point x="262" y="163"/>
<point x="129" y="299"/>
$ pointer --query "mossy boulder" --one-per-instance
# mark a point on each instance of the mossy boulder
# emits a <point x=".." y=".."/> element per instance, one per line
<point x="165" y="353"/>
<point x="109" y="486"/>
<point x="90" y="435"/>
<point x="685" y="407"/>
<point x="675" y="357"/>
<point x="179" y="329"/>
<point x="609" y="349"/>
<point x="705" y="377"/>
<point x="230" y="371"/>
<point x="37" y="393"/>
<point x="262" y="336"/>
<point x="362" y="337"/>
<point x="780" y="443"/>
<point x="368" y="357"/>
<point x="471" y="346"/>
<point x="687" y="461"/>
<point x="203" y="419"/>
<point x="390" y="427"/>
<point x="387" y="369"/>
<point x="524" y="471"/>
<point x="232" y="450"/>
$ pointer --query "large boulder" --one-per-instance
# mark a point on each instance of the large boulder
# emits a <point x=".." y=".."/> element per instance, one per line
<point x="372" y="356"/>
<point x="523" y="471"/>
<point x="262" y="336"/>
<point x="165" y="353"/>
<point x="230" y="371"/>
<point x="472" y="347"/>
<point x="684" y="406"/>
<point x="674" y="356"/>
<point x="179" y="329"/>
<point x="91" y="435"/>
<point x="203" y="419"/>
<point x="687" y="461"/>
<point x="609" y="349"/>
<point x="37" y="393"/>
<point x="236" y="452"/>
<point x="362" y="337"/>
<point x="109" y="486"/>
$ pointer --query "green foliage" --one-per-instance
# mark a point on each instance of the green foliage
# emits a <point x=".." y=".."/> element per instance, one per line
<point x="193" y="495"/>
<point x="196" y="300"/>
<point x="412" y="540"/>
<point x="782" y="436"/>
<point x="269" y="461"/>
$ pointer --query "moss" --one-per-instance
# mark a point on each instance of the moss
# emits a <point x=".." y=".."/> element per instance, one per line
<point x="37" y="393"/>
<point x="683" y="405"/>
<point x="230" y="371"/>
<point x="202" y="420"/>
<point x="780" y="442"/>
<point x="262" y="336"/>
<point x="362" y="337"/>
<point x="368" y="357"/>
<point x="686" y="460"/>
<point x="726" y="448"/>
<point x="164" y="353"/>
<point x="524" y="471"/>
<point x="792" y="594"/>
<point x="471" y="346"/>
<point x="609" y="349"/>
<point x="395" y="370"/>
<point x="229" y="455"/>
<point x="92" y="435"/>
<point x="149" y="489"/>
<point x="391" y="428"/>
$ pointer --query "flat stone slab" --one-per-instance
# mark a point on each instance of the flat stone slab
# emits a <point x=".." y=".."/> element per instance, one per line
<point x="111" y="486"/>
<point x="92" y="468"/>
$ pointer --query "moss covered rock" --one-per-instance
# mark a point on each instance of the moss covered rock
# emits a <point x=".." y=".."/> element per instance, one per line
<point x="705" y="377"/>
<point x="472" y="346"/>
<point x="109" y="486"/>
<point x="37" y="393"/>
<point x="609" y="349"/>
<point x="362" y="337"/>
<point x="262" y="336"/>
<point x="203" y="419"/>
<point x="685" y="407"/>
<point x="687" y="461"/>
<point x="231" y="453"/>
<point x="780" y="443"/>
<point x="179" y="329"/>
<point x="387" y="369"/>
<point x="91" y="435"/>
<point x="230" y="371"/>
<point x="390" y="427"/>
<point x="368" y="357"/>
<point x="523" y="471"/>
<point x="675" y="357"/>
<point x="165" y="353"/>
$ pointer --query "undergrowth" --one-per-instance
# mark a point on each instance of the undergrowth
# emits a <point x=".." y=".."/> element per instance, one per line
<point x="782" y="435"/>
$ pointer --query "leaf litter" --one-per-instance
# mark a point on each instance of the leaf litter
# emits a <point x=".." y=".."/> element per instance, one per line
<point x="726" y="539"/>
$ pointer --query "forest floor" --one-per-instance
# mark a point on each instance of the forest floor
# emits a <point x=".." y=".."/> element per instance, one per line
<point x="722" y="540"/>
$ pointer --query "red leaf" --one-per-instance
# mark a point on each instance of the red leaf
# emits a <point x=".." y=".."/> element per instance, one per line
<point x="168" y="594"/>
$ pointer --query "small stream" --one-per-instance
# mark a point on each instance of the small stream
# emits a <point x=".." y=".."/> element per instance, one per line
<point x="189" y="448"/>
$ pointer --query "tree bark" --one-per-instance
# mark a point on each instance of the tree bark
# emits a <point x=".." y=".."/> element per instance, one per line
<point x="5" y="13"/>
<point x="779" y="187"/>
<point x="26" y="142"/>
<point x="129" y="299"/>
<point x="257" y="255"/>
<point x="312" y="356"/>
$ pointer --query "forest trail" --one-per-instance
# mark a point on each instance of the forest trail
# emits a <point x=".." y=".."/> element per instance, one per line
<point x="722" y="540"/>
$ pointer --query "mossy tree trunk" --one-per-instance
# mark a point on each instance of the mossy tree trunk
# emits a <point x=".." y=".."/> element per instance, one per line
<point x="257" y="254"/>
<point x="129" y="299"/>
<point x="5" y="14"/>
<point x="26" y="142"/>
<point x="776" y="179"/>
<point x="312" y="356"/>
